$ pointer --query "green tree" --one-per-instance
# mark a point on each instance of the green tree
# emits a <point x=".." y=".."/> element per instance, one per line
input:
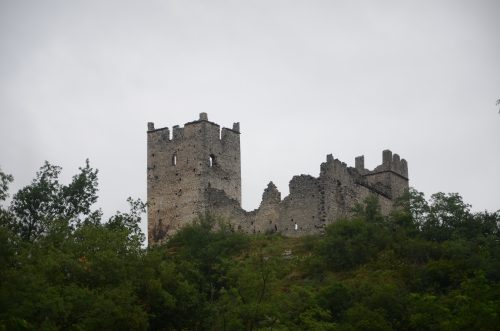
<point x="129" y="221"/>
<point x="206" y="242"/>
<point x="410" y="211"/>
<point x="360" y="318"/>
<point x="316" y="319"/>
<point x="6" y="216"/>
<point x="447" y="214"/>
<point x="83" y="279"/>
<point x="5" y="179"/>
<point x="172" y="299"/>
<point x="45" y="199"/>
<point x="474" y="305"/>
<point x="335" y="298"/>
<point x="370" y="210"/>
<point x="58" y="271"/>
<point x="349" y="243"/>
<point x="250" y="301"/>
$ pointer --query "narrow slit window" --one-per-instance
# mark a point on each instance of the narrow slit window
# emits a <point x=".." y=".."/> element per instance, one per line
<point x="174" y="159"/>
<point x="295" y="226"/>
<point x="212" y="160"/>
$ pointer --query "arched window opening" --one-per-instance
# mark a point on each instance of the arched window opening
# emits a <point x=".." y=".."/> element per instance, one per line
<point x="295" y="226"/>
<point x="212" y="160"/>
<point x="174" y="159"/>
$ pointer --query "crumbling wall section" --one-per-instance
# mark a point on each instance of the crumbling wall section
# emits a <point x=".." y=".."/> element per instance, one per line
<point x="300" y="210"/>
<point x="312" y="204"/>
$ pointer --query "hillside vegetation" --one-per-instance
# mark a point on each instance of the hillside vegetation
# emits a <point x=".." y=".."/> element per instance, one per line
<point x="429" y="265"/>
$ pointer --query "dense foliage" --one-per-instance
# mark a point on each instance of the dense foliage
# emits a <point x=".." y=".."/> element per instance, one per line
<point x="429" y="265"/>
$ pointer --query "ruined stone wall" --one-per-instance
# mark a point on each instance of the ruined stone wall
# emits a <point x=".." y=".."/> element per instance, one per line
<point x="312" y="204"/>
<point x="199" y="170"/>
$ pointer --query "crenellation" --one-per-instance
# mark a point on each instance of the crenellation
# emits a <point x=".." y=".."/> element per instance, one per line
<point x="404" y="168"/>
<point x="199" y="170"/>
<point x="396" y="164"/>
<point x="360" y="164"/>
<point x="386" y="157"/>
<point x="229" y="135"/>
<point x="177" y="132"/>
<point x="236" y="127"/>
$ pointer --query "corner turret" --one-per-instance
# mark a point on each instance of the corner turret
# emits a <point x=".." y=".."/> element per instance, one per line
<point x="392" y="173"/>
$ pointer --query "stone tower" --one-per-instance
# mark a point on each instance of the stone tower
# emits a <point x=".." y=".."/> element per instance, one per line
<point x="181" y="168"/>
<point x="392" y="173"/>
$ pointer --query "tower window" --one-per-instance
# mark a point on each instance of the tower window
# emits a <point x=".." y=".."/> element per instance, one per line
<point x="174" y="159"/>
<point x="212" y="159"/>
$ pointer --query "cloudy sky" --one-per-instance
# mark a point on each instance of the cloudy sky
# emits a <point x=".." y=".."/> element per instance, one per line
<point x="81" y="79"/>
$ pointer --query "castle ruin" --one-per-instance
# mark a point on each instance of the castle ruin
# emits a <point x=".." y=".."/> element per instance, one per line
<point x="198" y="169"/>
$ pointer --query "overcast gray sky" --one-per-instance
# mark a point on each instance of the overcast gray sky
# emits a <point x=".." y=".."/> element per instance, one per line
<point x="81" y="79"/>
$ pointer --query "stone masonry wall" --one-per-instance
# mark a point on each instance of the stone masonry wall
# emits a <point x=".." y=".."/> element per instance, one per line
<point x="182" y="167"/>
<point x="312" y="204"/>
<point x="199" y="170"/>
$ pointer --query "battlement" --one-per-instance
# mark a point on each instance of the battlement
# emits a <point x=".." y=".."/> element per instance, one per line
<point x="198" y="169"/>
<point x="390" y="162"/>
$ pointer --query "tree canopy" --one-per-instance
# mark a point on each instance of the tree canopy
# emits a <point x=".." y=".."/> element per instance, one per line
<point x="428" y="265"/>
